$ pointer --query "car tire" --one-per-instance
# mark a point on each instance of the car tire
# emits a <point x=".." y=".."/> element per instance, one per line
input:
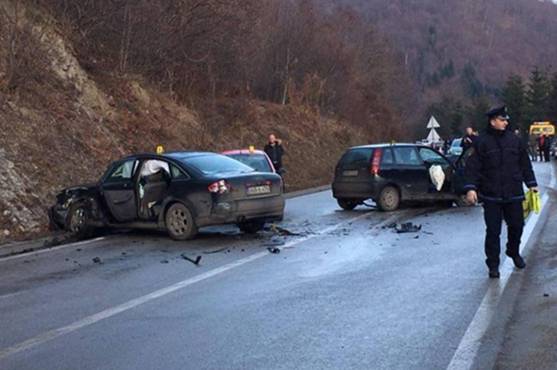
<point x="347" y="204"/>
<point x="389" y="199"/>
<point x="179" y="222"/>
<point x="251" y="227"/>
<point x="78" y="224"/>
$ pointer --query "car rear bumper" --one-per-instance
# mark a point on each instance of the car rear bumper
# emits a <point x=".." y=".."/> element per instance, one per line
<point x="353" y="189"/>
<point x="236" y="211"/>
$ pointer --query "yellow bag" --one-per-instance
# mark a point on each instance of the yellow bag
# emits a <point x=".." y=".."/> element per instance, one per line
<point x="532" y="203"/>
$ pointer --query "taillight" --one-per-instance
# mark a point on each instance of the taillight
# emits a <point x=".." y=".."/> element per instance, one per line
<point x="219" y="187"/>
<point x="376" y="161"/>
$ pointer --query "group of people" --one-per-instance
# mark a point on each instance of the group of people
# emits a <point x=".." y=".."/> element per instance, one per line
<point x="540" y="147"/>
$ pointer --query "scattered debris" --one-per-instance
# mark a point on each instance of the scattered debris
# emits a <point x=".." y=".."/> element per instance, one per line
<point x="164" y="261"/>
<point x="282" y="231"/>
<point x="96" y="260"/>
<point x="427" y="232"/>
<point x="273" y="250"/>
<point x="274" y="242"/>
<point x="194" y="261"/>
<point x="389" y="226"/>
<point x="215" y="251"/>
<point x="417" y="237"/>
<point x="408" y="227"/>
<point x="78" y="250"/>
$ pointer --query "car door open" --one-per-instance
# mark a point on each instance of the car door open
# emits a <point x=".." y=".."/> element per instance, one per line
<point x="119" y="191"/>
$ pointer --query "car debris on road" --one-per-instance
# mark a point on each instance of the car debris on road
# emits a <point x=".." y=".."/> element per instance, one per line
<point x="194" y="261"/>
<point x="407" y="227"/>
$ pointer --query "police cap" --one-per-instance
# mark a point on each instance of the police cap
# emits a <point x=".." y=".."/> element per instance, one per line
<point x="500" y="111"/>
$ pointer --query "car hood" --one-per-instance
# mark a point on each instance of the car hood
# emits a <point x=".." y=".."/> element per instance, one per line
<point x="84" y="188"/>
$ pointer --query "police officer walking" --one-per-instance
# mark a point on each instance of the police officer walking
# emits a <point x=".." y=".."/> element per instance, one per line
<point x="494" y="172"/>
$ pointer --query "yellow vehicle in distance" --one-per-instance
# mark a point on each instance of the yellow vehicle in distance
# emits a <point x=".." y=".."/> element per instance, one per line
<point x="538" y="128"/>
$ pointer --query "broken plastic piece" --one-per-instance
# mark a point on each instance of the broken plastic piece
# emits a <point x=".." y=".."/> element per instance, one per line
<point x="408" y="227"/>
<point x="194" y="261"/>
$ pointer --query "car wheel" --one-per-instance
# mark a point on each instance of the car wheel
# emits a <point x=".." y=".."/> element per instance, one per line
<point x="79" y="217"/>
<point x="389" y="199"/>
<point x="251" y="227"/>
<point x="179" y="222"/>
<point x="347" y="204"/>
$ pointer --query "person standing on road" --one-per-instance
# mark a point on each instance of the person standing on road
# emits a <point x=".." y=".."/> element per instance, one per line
<point x="468" y="139"/>
<point x="494" y="173"/>
<point x="543" y="147"/>
<point x="275" y="152"/>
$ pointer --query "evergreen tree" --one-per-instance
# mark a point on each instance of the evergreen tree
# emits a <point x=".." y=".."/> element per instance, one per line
<point x="537" y="96"/>
<point x="514" y="98"/>
<point x="552" y="101"/>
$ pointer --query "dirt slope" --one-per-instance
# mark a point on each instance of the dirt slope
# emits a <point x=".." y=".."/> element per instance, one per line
<point x="61" y="126"/>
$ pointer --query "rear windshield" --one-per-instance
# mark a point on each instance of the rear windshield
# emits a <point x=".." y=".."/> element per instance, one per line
<point x="360" y="156"/>
<point x="214" y="163"/>
<point x="256" y="161"/>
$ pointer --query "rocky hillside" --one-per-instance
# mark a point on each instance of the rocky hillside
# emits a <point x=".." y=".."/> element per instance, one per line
<point x="61" y="124"/>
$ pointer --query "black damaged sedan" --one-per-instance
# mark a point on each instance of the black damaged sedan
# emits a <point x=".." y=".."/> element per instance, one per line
<point x="178" y="192"/>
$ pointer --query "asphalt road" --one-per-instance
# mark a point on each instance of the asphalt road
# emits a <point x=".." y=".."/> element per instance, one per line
<point x="345" y="292"/>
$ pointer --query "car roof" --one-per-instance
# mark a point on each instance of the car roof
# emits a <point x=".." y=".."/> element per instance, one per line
<point x="243" y="151"/>
<point x="170" y="155"/>
<point x="384" y="145"/>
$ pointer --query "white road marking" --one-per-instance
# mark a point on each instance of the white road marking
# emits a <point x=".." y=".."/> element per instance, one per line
<point x="90" y="320"/>
<point x="46" y="250"/>
<point x="469" y="346"/>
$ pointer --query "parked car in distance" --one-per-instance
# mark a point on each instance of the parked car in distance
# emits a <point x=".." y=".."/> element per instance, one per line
<point x="256" y="159"/>
<point x="456" y="147"/>
<point x="178" y="192"/>
<point x="391" y="173"/>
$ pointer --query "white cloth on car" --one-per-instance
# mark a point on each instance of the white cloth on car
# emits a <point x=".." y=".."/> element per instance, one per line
<point x="437" y="176"/>
<point x="153" y="166"/>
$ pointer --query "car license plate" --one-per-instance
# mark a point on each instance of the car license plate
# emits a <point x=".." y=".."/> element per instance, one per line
<point x="350" y="173"/>
<point x="259" y="189"/>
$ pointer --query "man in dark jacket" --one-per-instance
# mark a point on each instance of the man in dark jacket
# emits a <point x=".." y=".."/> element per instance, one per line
<point x="494" y="172"/>
<point x="275" y="151"/>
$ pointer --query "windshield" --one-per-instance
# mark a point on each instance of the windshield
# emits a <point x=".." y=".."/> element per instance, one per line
<point x="255" y="161"/>
<point x="214" y="163"/>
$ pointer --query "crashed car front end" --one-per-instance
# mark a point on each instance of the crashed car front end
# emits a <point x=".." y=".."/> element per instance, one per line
<point x="58" y="214"/>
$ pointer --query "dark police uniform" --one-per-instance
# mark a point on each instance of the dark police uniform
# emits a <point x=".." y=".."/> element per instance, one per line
<point x="496" y="169"/>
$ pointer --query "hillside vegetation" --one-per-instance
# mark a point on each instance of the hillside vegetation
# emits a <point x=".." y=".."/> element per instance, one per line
<point x="83" y="83"/>
<point x="460" y="53"/>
